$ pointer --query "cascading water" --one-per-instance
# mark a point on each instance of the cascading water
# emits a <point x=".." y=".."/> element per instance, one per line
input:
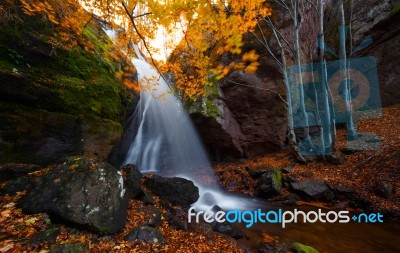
<point x="166" y="141"/>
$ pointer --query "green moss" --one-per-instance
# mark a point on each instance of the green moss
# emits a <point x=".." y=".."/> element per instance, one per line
<point x="296" y="248"/>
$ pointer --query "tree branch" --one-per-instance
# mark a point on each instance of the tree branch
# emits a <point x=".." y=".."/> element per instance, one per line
<point x="132" y="18"/>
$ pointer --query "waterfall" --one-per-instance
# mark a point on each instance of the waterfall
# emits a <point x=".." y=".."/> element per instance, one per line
<point x="166" y="138"/>
<point x="166" y="142"/>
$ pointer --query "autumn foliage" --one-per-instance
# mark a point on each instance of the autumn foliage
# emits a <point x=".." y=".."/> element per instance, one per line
<point x="210" y="31"/>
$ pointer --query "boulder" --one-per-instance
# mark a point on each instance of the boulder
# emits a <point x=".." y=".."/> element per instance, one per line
<point x="269" y="184"/>
<point x="132" y="178"/>
<point x="314" y="189"/>
<point x="176" y="190"/>
<point x="145" y="234"/>
<point x="83" y="192"/>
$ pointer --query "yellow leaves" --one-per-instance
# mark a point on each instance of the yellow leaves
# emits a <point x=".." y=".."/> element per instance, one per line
<point x="35" y="7"/>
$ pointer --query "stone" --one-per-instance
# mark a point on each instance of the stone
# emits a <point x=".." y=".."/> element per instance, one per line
<point x="83" y="192"/>
<point x="269" y="184"/>
<point x="132" y="179"/>
<point x="314" y="189"/>
<point x="176" y="190"/>
<point x="145" y="234"/>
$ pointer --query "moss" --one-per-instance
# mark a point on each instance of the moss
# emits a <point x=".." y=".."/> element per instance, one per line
<point x="277" y="180"/>
<point x="296" y="248"/>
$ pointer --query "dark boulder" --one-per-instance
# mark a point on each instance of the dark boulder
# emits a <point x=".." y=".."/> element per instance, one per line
<point x="176" y="190"/>
<point x="269" y="184"/>
<point x="145" y="234"/>
<point x="314" y="189"/>
<point x="81" y="192"/>
<point x="132" y="178"/>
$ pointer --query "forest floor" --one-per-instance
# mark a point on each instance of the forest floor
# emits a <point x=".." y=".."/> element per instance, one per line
<point x="361" y="171"/>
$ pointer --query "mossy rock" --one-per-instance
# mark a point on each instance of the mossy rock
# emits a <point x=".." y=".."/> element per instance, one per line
<point x="269" y="184"/>
<point x="296" y="247"/>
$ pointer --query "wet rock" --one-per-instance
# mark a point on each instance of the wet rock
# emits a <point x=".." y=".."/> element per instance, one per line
<point x="269" y="184"/>
<point x="177" y="191"/>
<point x="296" y="247"/>
<point x="145" y="234"/>
<point x="69" y="248"/>
<point x="15" y="170"/>
<point x="315" y="189"/>
<point x="47" y="236"/>
<point x="82" y="192"/>
<point x="384" y="190"/>
<point x="132" y="178"/>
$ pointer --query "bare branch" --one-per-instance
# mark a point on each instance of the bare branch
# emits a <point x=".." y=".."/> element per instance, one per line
<point x="269" y="90"/>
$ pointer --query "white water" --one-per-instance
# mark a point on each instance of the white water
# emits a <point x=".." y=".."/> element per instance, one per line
<point x="166" y="142"/>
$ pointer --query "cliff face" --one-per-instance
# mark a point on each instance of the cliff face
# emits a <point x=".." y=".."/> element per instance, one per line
<point x="259" y="118"/>
<point x="380" y="20"/>
<point x="58" y="97"/>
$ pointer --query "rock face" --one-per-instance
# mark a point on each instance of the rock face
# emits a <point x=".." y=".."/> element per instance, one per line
<point x="379" y="19"/>
<point x="83" y="192"/>
<point x="58" y="99"/>
<point x="257" y="109"/>
<point x="177" y="191"/>
<point x="251" y="121"/>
